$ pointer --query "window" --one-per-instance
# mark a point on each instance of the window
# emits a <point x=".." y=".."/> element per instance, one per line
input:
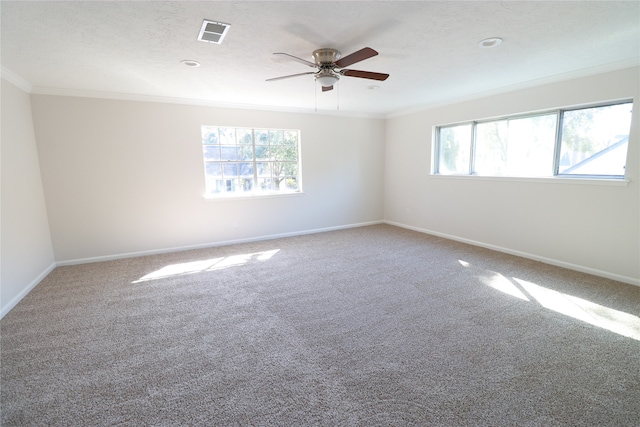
<point x="594" y="141"/>
<point x="581" y="142"/>
<point x="246" y="162"/>
<point x="516" y="147"/>
<point x="455" y="149"/>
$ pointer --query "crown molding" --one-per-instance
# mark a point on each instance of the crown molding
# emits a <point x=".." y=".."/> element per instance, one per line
<point x="15" y="79"/>
<point x="197" y="102"/>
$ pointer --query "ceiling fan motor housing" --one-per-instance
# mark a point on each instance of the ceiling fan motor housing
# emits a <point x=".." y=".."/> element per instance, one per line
<point x="325" y="61"/>
<point x="326" y="56"/>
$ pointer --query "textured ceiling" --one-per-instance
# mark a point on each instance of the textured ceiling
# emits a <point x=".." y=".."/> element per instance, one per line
<point x="134" y="49"/>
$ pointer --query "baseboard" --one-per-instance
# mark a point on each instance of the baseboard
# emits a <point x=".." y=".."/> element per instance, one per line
<point x="15" y="300"/>
<point x="557" y="263"/>
<point x="212" y="244"/>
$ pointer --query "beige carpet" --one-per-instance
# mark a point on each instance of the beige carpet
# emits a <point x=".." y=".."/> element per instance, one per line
<point x="373" y="326"/>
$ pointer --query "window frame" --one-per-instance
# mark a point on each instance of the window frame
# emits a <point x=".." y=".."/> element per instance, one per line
<point x="254" y="160"/>
<point x="554" y="167"/>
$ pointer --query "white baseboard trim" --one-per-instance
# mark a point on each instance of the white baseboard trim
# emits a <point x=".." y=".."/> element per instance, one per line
<point x="557" y="263"/>
<point x="212" y="244"/>
<point x="15" y="300"/>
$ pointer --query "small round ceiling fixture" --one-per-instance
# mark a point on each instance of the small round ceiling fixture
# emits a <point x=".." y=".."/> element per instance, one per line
<point x="490" y="42"/>
<point x="373" y="87"/>
<point x="190" y="63"/>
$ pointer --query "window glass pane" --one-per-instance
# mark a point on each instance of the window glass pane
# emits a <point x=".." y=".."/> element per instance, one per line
<point x="229" y="152"/>
<point x="263" y="169"/>
<point x="230" y="169"/>
<point x="595" y="140"/>
<point x="213" y="178"/>
<point x="291" y="182"/>
<point x="264" y="184"/>
<point x="284" y="152"/>
<point x="276" y="137"/>
<point x="261" y="136"/>
<point x="214" y="186"/>
<point x="454" y="149"/>
<point x="245" y="169"/>
<point x="213" y="170"/>
<point x="516" y="147"/>
<point x="246" y="184"/>
<point x="211" y="152"/>
<point x="278" y="174"/>
<point x="245" y="152"/>
<point x="291" y="176"/>
<point x="491" y="148"/>
<point x="262" y="152"/>
<point x="210" y="135"/>
<point x="227" y="136"/>
<point x="244" y="136"/>
<point x="290" y="168"/>
<point x="230" y="185"/>
<point x="290" y="137"/>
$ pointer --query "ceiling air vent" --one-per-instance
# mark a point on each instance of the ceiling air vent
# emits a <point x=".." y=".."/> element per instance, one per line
<point x="213" y="32"/>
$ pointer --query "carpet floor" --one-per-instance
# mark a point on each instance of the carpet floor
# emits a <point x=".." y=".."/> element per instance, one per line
<point x="371" y="326"/>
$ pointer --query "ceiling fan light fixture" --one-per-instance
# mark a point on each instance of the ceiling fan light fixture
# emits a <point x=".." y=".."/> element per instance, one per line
<point x="327" y="79"/>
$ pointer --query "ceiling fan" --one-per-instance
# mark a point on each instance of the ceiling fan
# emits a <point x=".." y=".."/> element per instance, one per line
<point x="330" y="66"/>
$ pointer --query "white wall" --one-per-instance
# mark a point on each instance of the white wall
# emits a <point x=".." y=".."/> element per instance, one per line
<point x="26" y="253"/>
<point x="125" y="177"/>
<point x="593" y="228"/>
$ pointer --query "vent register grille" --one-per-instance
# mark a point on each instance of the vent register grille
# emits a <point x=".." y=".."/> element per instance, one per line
<point x="213" y="32"/>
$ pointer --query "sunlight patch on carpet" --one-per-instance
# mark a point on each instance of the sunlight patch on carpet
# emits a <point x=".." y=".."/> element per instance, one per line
<point x="501" y="283"/>
<point x="185" y="268"/>
<point x="595" y="314"/>
<point x="589" y="312"/>
<point x="498" y="281"/>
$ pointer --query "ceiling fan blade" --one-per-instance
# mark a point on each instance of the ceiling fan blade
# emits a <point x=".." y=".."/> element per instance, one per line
<point x="361" y="55"/>
<point x="365" y="74"/>
<point x="327" y="88"/>
<point x="304" y="61"/>
<point x="289" y="76"/>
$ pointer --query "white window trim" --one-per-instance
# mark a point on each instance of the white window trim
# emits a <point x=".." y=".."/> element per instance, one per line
<point x="253" y="195"/>
<point x="616" y="182"/>
<point x="250" y="196"/>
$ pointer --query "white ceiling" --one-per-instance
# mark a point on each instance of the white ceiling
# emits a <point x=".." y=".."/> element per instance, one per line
<point x="133" y="49"/>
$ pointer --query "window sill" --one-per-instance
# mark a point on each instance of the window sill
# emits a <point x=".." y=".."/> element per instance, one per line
<point x="545" y="180"/>
<point x="251" y="196"/>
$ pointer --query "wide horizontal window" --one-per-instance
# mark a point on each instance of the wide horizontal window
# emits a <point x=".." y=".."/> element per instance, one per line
<point x="245" y="162"/>
<point x="586" y="142"/>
